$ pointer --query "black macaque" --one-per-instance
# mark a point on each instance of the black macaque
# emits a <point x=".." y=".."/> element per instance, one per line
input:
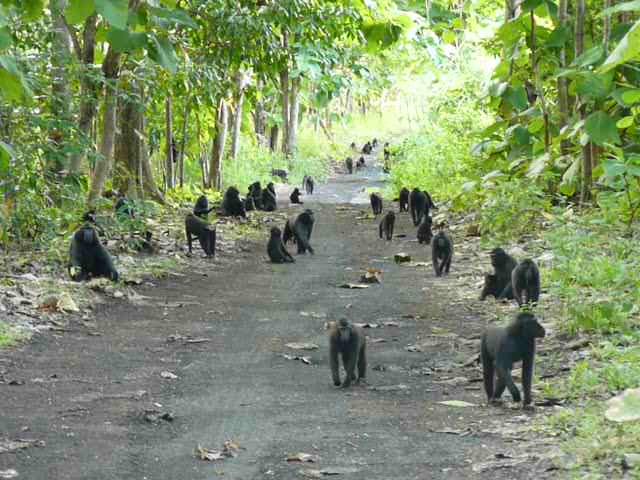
<point x="386" y="225"/>
<point x="308" y="184"/>
<point x="282" y="174"/>
<point x="387" y="153"/>
<point x="272" y="188"/>
<point x="349" y="164"/>
<point x="374" y="143"/>
<point x="501" y="348"/>
<point x="376" y="203"/>
<point x="300" y="231"/>
<point x="425" y="233"/>
<point x="366" y="149"/>
<point x="255" y="190"/>
<point x="353" y="146"/>
<point x="123" y="207"/>
<point x="430" y="204"/>
<point x="349" y="341"/>
<point x="205" y="232"/>
<point x="89" y="255"/>
<point x="295" y="196"/>
<point x="201" y="208"/>
<point x="232" y="206"/>
<point x="276" y="249"/>
<point x="269" y="203"/>
<point x="404" y="200"/>
<point x="418" y="206"/>
<point x="498" y="284"/>
<point x="525" y="282"/>
<point x="441" y="253"/>
<point x="249" y="203"/>
<point x="361" y="163"/>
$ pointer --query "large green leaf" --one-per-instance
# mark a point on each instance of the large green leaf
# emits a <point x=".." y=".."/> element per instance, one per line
<point x="558" y="37"/>
<point x="31" y="8"/>
<point x="5" y="38"/>
<point x="116" y="12"/>
<point x="79" y="10"/>
<point x="632" y="6"/>
<point x="517" y="97"/>
<point x="589" y="57"/>
<point x="627" y="49"/>
<point x="601" y="128"/>
<point x="161" y="51"/>
<point x="6" y="154"/>
<point x="124" y="41"/>
<point x="176" y="16"/>
<point x="12" y="82"/>
<point x="631" y="96"/>
<point x="593" y="85"/>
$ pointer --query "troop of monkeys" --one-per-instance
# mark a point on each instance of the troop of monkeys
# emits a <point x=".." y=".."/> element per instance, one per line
<point x="500" y="348"/>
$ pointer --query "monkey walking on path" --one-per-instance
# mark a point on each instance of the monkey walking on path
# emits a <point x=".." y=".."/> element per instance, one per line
<point x="349" y="341"/>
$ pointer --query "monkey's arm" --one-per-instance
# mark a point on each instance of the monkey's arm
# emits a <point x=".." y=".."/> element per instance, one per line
<point x="349" y="361"/>
<point x="527" y="374"/>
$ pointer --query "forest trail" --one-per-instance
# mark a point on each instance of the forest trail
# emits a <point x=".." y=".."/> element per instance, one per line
<point x="86" y="389"/>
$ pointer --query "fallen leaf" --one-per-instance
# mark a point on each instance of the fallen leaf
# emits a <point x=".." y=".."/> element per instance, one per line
<point x="353" y="285"/>
<point x="11" y="473"/>
<point x="325" y="472"/>
<point x="367" y="325"/>
<point x="20" y="444"/>
<point x="402" y="258"/>
<point x="168" y="375"/>
<point x="303" y="457"/>
<point x="390" y="388"/>
<point x="302" y="346"/>
<point x="457" y="403"/>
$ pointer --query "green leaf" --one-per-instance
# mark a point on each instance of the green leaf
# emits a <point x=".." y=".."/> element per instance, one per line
<point x="621" y="7"/>
<point x="178" y="16"/>
<point x="496" y="88"/>
<point x="558" y="37"/>
<point x="5" y="38"/>
<point x="627" y="49"/>
<point x="79" y="10"/>
<point x="521" y="135"/>
<point x="624" y="122"/>
<point x="6" y="154"/>
<point x="116" y="12"/>
<point x="161" y="51"/>
<point x="601" y="128"/>
<point x="124" y="41"/>
<point x="631" y="96"/>
<point x="613" y="168"/>
<point x="517" y="97"/>
<point x="32" y="8"/>
<point x="536" y="125"/>
<point x="593" y="85"/>
<point x="510" y="32"/>
<point x="589" y="57"/>
<point x="529" y="5"/>
<point x="12" y="82"/>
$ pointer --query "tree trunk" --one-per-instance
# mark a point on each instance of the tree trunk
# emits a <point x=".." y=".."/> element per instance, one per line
<point x="217" y="151"/>
<point x="563" y="91"/>
<point x="168" y="165"/>
<point x="183" y="142"/>
<point x="127" y="149"/>
<point x="111" y="71"/>
<point x="88" y="91"/>
<point x="294" y="108"/>
<point x="60" y="92"/>
<point x="585" y="194"/>
<point x="273" y="138"/>
<point x="284" y="91"/>
<point x="149" y="185"/>
<point x="241" y="82"/>
<point x="260" y="116"/>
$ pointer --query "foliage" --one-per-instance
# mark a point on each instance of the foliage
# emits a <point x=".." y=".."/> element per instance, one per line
<point x="10" y="335"/>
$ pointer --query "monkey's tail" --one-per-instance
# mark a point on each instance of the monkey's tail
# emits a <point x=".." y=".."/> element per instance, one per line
<point x="380" y="229"/>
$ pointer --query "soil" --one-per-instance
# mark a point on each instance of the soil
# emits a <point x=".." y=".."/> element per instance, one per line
<point x="95" y="393"/>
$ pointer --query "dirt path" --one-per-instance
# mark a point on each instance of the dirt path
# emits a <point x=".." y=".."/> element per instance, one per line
<point x="84" y="391"/>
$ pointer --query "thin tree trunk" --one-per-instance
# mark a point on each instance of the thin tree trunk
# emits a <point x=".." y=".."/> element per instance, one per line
<point x="170" y="177"/>
<point x="127" y="149"/>
<point x="241" y="82"/>
<point x="217" y="151"/>
<point x="284" y="90"/>
<point x="585" y="194"/>
<point x="563" y="92"/>
<point x="294" y="108"/>
<point x="260" y="115"/>
<point x="273" y="138"/>
<point x="183" y="142"/>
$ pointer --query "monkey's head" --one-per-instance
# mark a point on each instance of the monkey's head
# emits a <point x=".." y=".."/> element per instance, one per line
<point x="87" y="236"/>
<point x="391" y="214"/>
<point x="498" y="257"/>
<point x="296" y="191"/>
<point x="233" y="192"/>
<point x="276" y="232"/>
<point x="344" y="330"/>
<point x="528" y="326"/>
<point x="89" y="216"/>
<point x="202" y="201"/>
<point x="307" y="216"/>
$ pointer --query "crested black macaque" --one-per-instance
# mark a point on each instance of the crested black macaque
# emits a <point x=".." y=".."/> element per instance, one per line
<point x="374" y="143"/>
<point x="295" y="196"/>
<point x="353" y="146"/>
<point x="502" y="347"/>
<point x="349" y="341"/>
<point x="441" y="253"/>
<point x="525" y="282"/>
<point x="269" y="203"/>
<point x="376" y="203"/>
<point x="249" y="203"/>
<point x="349" y="164"/>
<point x="425" y="234"/>
<point x="87" y="254"/>
<point x="361" y="163"/>
<point x="430" y="204"/>
<point x="301" y="231"/>
<point x="308" y="184"/>
<point x="280" y="173"/>
<point x="418" y="206"/>
<point x="366" y="149"/>
<point x="201" y="208"/>
<point x="404" y="200"/>
<point x="275" y="248"/>
<point x="272" y="188"/>
<point x="255" y="190"/>
<point x="386" y="225"/>
<point x="387" y="152"/>
<point x="498" y="284"/>
<point x="205" y="233"/>
<point x="123" y="207"/>
<point x="232" y="206"/>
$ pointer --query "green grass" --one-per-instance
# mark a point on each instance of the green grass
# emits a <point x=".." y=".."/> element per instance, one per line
<point x="11" y="335"/>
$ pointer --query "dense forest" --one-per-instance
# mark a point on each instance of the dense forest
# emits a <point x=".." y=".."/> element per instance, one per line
<point x="521" y="119"/>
